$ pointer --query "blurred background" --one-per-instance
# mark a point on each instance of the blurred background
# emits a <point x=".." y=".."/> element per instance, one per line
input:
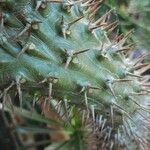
<point x="134" y="14"/>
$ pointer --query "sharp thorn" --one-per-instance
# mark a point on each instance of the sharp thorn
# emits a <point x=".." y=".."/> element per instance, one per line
<point x="111" y="26"/>
<point x="133" y="93"/>
<point x="69" y="59"/>
<point x="86" y="99"/>
<point x="5" y="93"/>
<point x="35" y="99"/>
<point x="9" y="87"/>
<point x="124" y="112"/>
<point x="103" y="125"/>
<point x="19" y="91"/>
<point x="146" y="84"/>
<point x="27" y="27"/>
<point x="93" y="112"/>
<point x="140" y="106"/>
<point x="10" y="102"/>
<point x="121" y="80"/>
<point x="104" y="18"/>
<point x="54" y="1"/>
<point x="144" y="69"/>
<point x="87" y="4"/>
<point x="50" y="91"/>
<point x="93" y="27"/>
<point x="24" y="49"/>
<point x="93" y="13"/>
<point x="126" y="48"/>
<point x="112" y="115"/>
<point x="100" y="121"/>
<point x="111" y="89"/>
<point x="139" y="66"/>
<point x="133" y="75"/>
<point x="38" y="4"/>
<point x="128" y="33"/>
<point x="74" y="21"/>
<point x="81" y="51"/>
<point x="141" y="58"/>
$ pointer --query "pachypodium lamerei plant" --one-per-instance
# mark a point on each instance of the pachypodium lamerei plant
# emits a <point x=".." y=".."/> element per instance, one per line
<point x="55" y="54"/>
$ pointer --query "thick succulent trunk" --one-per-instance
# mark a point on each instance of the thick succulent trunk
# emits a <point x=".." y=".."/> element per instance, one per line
<point x="56" y="52"/>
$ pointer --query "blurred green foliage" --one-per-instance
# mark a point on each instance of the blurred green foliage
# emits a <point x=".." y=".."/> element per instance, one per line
<point x="134" y="14"/>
